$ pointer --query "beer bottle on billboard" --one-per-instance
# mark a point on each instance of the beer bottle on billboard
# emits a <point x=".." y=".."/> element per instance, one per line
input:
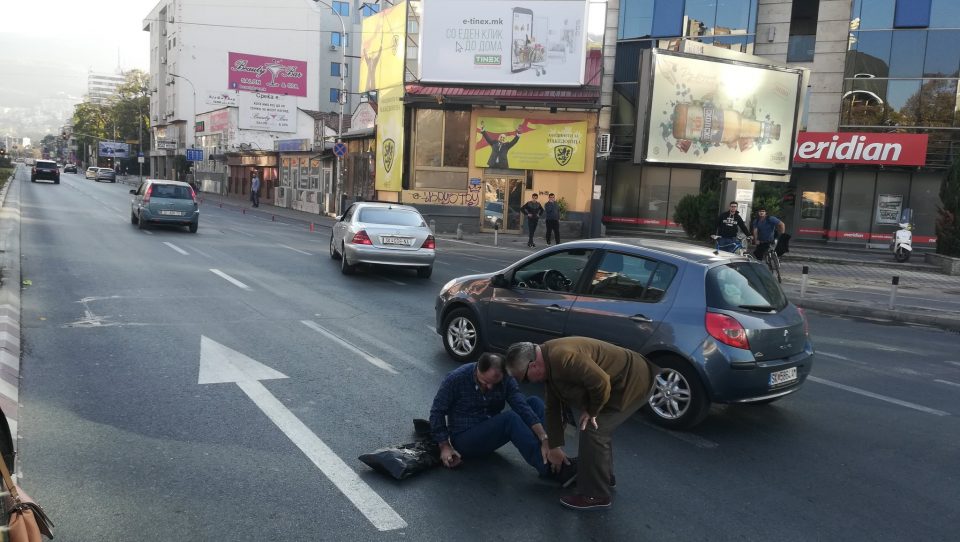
<point x="715" y="125"/>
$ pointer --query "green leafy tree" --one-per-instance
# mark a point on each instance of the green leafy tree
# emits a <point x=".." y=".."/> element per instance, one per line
<point x="948" y="214"/>
<point x="697" y="213"/>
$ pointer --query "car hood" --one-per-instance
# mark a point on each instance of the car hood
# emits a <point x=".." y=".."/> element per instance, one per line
<point x="468" y="284"/>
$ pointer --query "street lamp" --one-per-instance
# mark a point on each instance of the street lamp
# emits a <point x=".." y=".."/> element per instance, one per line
<point x="194" y="89"/>
<point x="343" y="91"/>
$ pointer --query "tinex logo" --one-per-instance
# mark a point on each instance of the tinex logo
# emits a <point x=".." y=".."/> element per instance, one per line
<point x="861" y="148"/>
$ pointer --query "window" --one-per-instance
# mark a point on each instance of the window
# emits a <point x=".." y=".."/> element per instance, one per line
<point x="905" y="53"/>
<point x="441" y="148"/>
<point x="334" y="95"/>
<point x="631" y="277"/>
<point x="367" y="10"/>
<point x="738" y="286"/>
<point x="335" y="69"/>
<point x="912" y="14"/>
<point x="341" y="8"/>
<point x="336" y="38"/>
<point x="558" y="272"/>
<point x="803" y="31"/>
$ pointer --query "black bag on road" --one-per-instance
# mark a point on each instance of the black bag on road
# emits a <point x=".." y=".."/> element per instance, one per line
<point x="404" y="460"/>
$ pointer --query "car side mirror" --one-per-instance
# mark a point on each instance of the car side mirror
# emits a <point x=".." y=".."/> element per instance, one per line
<point x="133" y="191"/>
<point x="338" y="218"/>
<point x="499" y="281"/>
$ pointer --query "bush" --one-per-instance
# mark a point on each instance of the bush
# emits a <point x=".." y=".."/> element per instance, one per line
<point x="948" y="214"/>
<point x="697" y="213"/>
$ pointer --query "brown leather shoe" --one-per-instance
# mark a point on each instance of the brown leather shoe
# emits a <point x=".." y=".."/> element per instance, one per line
<point x="582" y="502"/>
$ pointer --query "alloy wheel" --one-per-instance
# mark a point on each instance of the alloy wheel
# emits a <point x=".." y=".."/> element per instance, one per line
<point x="671" y="398"/>
<point x="462" y="336"/>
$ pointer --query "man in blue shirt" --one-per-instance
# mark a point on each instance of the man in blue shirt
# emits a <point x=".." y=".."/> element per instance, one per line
<point x="765" y="230"/>
<point x="467" y="419"/>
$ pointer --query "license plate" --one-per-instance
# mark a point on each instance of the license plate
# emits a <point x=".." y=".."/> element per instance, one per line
<point x="402" y="241"/>
<point x="784" y="376"/>
<point x="171" y="213"/>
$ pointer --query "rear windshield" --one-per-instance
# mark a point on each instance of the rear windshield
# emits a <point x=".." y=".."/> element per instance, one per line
<point x="392" y="217"/>
<point x="743" y="286"/>
<point x="106" y="170"/>
<point x="43" y="163"/>
<point x="170" y="191"/>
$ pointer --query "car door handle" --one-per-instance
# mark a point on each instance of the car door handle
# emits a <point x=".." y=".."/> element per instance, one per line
<point x="556" y="308"/>
<point x="640" y="318"/>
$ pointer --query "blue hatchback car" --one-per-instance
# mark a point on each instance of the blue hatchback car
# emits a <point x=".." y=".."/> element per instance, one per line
<point x="719" y="326"/>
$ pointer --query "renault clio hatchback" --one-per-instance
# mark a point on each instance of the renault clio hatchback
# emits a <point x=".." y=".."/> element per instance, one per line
<point x="158" y="201"/>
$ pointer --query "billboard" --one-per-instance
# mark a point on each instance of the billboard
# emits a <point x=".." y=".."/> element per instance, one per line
<point x="718" y="113"/>
<point x="390" y="139"/>
<point x="113" y="149"/>
<point x="498" y="42"/>
<point x="267" y="112"/>
<point x="526" y="143"/>
<point x="861" y="148"/>
<point x="268" y="74"/>
<point x="383" y="51"/>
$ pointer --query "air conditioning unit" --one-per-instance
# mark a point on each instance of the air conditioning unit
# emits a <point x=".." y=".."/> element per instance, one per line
<point x="604" y="144"/>
<point x="334" y="48"/>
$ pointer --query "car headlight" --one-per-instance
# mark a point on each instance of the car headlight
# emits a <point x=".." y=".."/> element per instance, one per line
<point x="448" y="285"/>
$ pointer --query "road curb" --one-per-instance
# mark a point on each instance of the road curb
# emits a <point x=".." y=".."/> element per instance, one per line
<point x="10" y="305"/>
<point x="888" y="265"/>
<point x="846" y="309"/>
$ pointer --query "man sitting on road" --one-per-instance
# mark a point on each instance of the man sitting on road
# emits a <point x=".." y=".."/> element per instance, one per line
<point x="766" y="229"/>
<point x="467" y="418"/>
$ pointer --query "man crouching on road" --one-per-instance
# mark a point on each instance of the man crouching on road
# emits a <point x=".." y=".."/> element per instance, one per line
<point x="608" y="384"/>
<point x="467" y="418"/>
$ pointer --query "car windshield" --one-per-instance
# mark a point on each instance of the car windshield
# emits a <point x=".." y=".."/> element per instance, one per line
<point x="170" y="191"/>
<point x="743" y="286"/>
<point x="46" y="164"/>
<point x="392" y="217"/>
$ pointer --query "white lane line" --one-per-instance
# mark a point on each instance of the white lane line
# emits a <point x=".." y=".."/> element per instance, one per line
<point x="689" y="438"/>
<point x="460" y="267"/>
<point x="297" y="250"/>
<point x="373" y="360"/>
<point x="851" y="343"/>
<point x="947" y="382"/>
<point x="831" y="355"/>
<point x="178" y="249"/>
<point x="198" y="251"/>
<point x="870" y="394"/>
<point x="957" y="363"/>
<point x="370" y="504"/>
<point x="229" y="279"/>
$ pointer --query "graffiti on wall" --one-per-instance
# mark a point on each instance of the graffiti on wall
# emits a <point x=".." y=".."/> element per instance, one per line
<point x="463" y="198"/>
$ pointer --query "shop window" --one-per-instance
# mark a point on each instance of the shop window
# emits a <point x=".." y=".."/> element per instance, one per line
<point x="803" y="31"/>
<point x="869" y="54"/>
<point x="441" y="149"/>
<point x="856" y="205"/>
<point x="924" y="200"/>
<point x="943" y="55"/>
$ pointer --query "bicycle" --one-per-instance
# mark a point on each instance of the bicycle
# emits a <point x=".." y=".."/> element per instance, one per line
<point x="772" y="260"/>
<point x="738" y="246"/>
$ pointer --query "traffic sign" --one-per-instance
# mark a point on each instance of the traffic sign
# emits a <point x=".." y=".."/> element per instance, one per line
<point x="340" y="149"/>
<point x="194" y="155"/>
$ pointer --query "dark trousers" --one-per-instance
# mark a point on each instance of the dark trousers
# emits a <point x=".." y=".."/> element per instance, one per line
<point x="553" y="226"/>
<point x="489" y="435"/>
<point x="595" y="462"/>
<point x="532" y="228"/>
<point x="761" y="250"/>
<point x="255" y="197"/>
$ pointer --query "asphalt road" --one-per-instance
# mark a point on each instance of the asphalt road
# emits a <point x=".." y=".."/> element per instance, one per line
<point x="120" y="440"/>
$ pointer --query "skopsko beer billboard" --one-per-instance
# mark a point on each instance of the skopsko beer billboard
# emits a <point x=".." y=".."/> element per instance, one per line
<point x="721" y="114"/>
<point x="497" y="42"/>
<point x="524" y="143"/>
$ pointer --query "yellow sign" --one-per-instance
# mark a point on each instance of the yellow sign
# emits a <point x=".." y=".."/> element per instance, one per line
<point x="390" y="139"/>
<point x="383" y="51"/>
<point x="523" y="143"/>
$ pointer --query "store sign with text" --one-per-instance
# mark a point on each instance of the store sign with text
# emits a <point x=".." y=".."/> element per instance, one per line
<point x="526" y="143"/>
<point x="256" y="73"/>
<point x="861" y="148"/>
<point x="267" y="112"/>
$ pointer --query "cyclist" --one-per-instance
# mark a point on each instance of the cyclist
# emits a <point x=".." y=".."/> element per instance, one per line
<point x="766" y="229"/>
<point x="727" y="225"/>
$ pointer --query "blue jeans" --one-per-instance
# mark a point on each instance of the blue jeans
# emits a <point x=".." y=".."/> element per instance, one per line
<point x="489" y="435"/>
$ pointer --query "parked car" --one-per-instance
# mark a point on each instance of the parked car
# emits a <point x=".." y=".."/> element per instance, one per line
<point x="719" y="326"/>
<point x="493" y="214"/>
<point x="158" y="201"/>
<point x="106" y="174"/>
<point x="45" y="170"/>
<point x="383" y="234"/>
<point x="91" y="172"/>
<point x="70" y="168"/>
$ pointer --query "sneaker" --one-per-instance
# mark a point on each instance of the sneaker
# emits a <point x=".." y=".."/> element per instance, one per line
<point x="582" y="502"/>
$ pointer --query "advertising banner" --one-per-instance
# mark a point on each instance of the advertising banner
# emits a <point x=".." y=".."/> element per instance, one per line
<point x="499" y="42"/>
<point x="888" y="208"/>
<point x="390" y="139"/>
<point x="724" y="114"/>
<point x="861" y="148"/>
<point x="525" y="143"/>
<point x="113" y="149"/>
<point x="383" y="51"/>
<point x="219" y="120"/>
<point x="221" y="98"/>
<point x="267" y="112"/>
<point x="268" y="74"/>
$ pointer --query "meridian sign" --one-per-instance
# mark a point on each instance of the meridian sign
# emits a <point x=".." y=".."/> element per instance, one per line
<point x="267" y="74"/>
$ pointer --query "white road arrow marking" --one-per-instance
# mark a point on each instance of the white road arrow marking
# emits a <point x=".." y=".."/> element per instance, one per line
<point x="221" y="364"/>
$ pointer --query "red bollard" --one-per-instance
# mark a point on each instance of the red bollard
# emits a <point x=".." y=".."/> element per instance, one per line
<point x="311" y="226"/>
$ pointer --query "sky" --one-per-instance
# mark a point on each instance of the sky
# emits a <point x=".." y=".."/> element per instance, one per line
<point x="47" y="47"/>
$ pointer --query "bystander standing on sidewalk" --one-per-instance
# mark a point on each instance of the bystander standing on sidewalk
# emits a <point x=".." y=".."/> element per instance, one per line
<point x="551" y="213"/>
<point x="533" y="210"/>
<point x="255" y="189"/>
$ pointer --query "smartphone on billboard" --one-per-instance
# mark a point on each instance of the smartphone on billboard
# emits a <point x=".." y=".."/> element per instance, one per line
<point x="521" y="40"/>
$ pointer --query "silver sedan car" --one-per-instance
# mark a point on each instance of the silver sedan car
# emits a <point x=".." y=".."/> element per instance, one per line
<point x="383" y="234"/>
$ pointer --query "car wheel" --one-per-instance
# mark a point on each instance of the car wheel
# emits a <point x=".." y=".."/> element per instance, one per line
<point x="56" y="182"/>
<point x="133" y="218"/>
<point x="345" y="267"/>
<point x="679" y="400"/>
<point x="333" y="251"/>
<point x="424" y="272"/>
<point x="141" y="223"/>
<point x="461" y="335"/>
<point x="193" y="227"/>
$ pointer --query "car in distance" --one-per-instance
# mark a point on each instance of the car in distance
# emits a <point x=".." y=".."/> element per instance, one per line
<point x="91" y="172"/>
<point x="383" y="234"/>
<point x="45" y="170"/>
<point x="719" y="326"/>
<point x="70" y="168"/>
<point x="158" y="201"/>
<point x="106" y="174"/>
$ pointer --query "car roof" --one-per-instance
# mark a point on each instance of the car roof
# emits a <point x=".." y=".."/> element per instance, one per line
<point x="165" y="181"/>
<point x="682" y="251"/>
<point x="381" y="205"/>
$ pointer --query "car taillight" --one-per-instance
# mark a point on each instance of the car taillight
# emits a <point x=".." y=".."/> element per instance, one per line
<point x="193" y="194"/>
<point x="361" y="238"/>
<point x="430" y="243"/>
<point x="146" y="196"/>
<point x="727" y="330"/>
<point x="806" y="326"/>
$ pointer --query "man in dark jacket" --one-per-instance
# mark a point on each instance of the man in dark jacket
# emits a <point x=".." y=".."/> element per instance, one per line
<point x="607" y="383"/>
<point x="533" y="210"/>
<point x="551" y="213"/>
<point x="727" y="225"/>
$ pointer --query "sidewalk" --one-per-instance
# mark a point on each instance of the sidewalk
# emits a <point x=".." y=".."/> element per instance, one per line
<point x="842" y="281"/>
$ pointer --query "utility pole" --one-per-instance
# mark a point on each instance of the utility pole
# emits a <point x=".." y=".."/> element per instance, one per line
<point x="342" y="98"/>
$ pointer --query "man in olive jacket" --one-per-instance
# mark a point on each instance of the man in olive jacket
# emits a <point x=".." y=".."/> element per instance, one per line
<point x="607" y="383"/>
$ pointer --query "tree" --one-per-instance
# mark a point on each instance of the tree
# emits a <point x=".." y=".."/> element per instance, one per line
<point x="948" y="214"/>
<point x="697" y="213"/>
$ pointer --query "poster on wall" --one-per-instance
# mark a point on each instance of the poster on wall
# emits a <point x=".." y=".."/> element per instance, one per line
<point x="527" y="143"/>
<point x="707" y="112"/>
<point x="498" y="42"/>
<point x="267" y="112"/>
<point x="383" y="51"/>
<point x="888" y="208"/>
<point x="113" y="149"/>
<point x="390" y="139"/>
<point x="255" y="73"/>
